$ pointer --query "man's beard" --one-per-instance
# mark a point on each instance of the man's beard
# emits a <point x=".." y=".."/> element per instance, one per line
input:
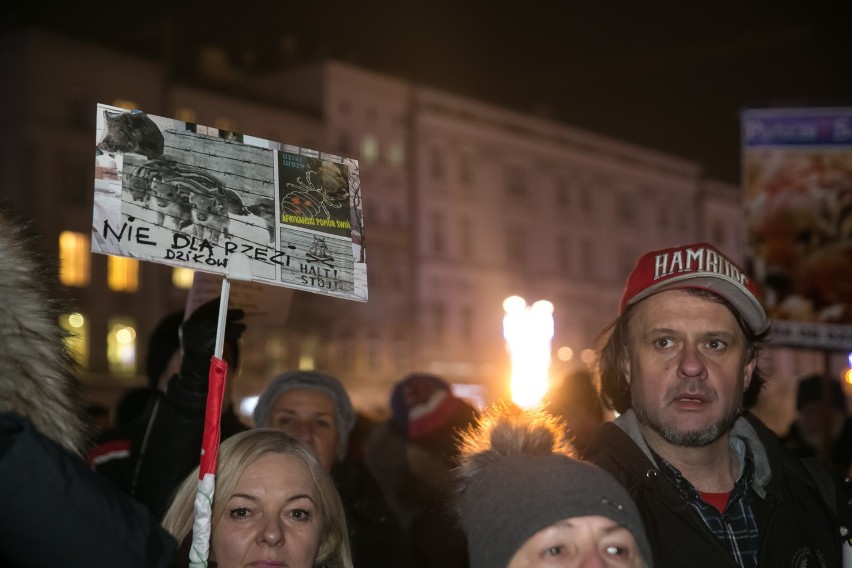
<point x="689" y="439"/>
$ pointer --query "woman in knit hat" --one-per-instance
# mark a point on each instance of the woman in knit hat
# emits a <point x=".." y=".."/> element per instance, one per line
<point x="314" y="408"/>
<point x="525" y="502"/>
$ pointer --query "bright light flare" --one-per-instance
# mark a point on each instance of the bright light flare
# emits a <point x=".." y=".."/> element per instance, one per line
<point x="848" y="375"/>
<point x="528" y="331"/>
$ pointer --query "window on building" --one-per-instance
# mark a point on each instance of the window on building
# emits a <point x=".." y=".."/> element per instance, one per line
<point x="439" y="322"/>
<point x="344" y="143"/>
<point x="516" y="184"/>
<point x="398" y="275"/>
<point x="682" y="221"/>
<point x="78" y="112"/>
<point x="465" y="169"/>
<point x="74" y="258"/>
<point x="516" y="246"/>
<point x="396" y="217"/>
<point x="182" y="278"/>
<point x="396" y="154"/>
<point x="308" y="351"/>
<point x="719" y="234"/>
<point x="626" y="260"/>
<point x="76" y="183"/>
<point x="664" y="219"/>
<point x="374" y="274"/>
<point x="225" y="123"/>
<point x="126" y="104"/>
<point x="563" y="194"/>
<point x="186" y="114"/>
<point x="374" y="353"/>
<point x="400" y="350"/>
<point x="438" y="164"/>
<point x="276" y="350"/>
<point x="121" y="346"/>
<point x="587" y="258"/>
<point x="467" y="241"/>
<point x="439" y="243"/>
<point x="466" y="317"/>
<point x="122" y="274"/>
<point x="586" y="199"/>
<point x="369" y="148"/>
<point x="346" y="351"/>
<point x="563" y="254"/>
<point x="77" y="327"/>
<point x="626" y="210"/>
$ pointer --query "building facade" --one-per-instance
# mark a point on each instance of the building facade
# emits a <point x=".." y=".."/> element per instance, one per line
<point x="465" y="204"/>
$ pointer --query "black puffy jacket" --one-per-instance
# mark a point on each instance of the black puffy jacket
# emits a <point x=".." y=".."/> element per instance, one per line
<point x="57" y="512"/>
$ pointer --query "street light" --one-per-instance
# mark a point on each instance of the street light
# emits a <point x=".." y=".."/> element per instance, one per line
<point x="528" y="331"/>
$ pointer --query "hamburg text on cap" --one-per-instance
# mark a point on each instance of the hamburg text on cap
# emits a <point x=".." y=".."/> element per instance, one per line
<point x="698" y="265"/>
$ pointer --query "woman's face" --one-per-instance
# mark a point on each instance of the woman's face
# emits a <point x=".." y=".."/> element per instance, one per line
<point x="579" y="542"/>
<point x="273" y="518"/>
<point x="308" y="415"/>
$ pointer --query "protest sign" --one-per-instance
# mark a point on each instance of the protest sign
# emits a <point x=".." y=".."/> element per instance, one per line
<point x="191" y="196"/>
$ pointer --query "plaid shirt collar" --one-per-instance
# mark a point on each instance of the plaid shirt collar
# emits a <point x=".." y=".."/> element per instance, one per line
<point x="736" y="527"/>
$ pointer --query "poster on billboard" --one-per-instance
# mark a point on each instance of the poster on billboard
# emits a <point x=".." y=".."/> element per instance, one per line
<point x="797" y="176"/>
<point x="226" y="203"/>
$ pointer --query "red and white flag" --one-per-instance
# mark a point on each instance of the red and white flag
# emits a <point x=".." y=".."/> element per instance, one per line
<point x="202" y="524"/>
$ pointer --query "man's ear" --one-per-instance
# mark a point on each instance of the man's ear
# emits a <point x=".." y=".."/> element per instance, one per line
<point x="626" y="364"/>
<point x="748" y="371"/>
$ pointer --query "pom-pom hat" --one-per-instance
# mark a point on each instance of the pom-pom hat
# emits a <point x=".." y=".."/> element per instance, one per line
<point x="698" y="265"/>
<point x="516" y="477"/>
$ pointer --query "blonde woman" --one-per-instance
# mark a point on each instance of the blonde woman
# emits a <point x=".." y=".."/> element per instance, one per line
<point x="274" y="505"/>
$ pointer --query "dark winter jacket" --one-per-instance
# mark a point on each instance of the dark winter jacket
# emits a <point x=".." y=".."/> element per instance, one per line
<point x="375" y="534"/>
<point x="151" y="469"/>
<point x="797" y="528"/>
<point x="56" y="512"/>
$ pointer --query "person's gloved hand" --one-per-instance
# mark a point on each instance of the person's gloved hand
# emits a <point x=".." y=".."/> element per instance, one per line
<point x="198" y="341"/>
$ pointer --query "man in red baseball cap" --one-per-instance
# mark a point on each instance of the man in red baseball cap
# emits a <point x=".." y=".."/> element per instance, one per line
<point x="679" y="365"/>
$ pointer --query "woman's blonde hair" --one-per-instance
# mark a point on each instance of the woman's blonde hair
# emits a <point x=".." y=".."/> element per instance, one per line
<point x="236" y="454"/>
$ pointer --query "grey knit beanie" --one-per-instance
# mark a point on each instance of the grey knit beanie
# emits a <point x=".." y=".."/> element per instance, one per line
<point x="309" y="380"/>
<point x="514" y="482"/>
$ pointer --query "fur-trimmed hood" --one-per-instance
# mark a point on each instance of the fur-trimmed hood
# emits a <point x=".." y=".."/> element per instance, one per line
<point x="36" y="370"/>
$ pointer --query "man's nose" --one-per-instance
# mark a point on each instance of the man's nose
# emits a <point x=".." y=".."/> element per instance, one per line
<point x="691" y="364"/>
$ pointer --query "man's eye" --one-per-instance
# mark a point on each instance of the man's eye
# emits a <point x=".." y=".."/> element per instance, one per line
<point x="554" y="551"/>
<point x="663" y="342"/>
<point x="716" y="344"/>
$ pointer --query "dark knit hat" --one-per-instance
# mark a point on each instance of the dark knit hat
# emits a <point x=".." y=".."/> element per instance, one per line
<point x="811" y="390"/>
<point x="514" y="481"/>
<point x="315" y="381"/>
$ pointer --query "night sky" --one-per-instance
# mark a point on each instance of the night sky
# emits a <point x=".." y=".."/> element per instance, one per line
<point x="672" y="76"/>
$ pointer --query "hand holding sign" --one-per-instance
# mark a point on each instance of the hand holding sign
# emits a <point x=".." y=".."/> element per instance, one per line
<point x="198" y="340"/>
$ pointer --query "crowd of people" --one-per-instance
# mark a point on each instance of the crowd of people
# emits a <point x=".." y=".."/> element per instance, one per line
<point x="651" y="458"/>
